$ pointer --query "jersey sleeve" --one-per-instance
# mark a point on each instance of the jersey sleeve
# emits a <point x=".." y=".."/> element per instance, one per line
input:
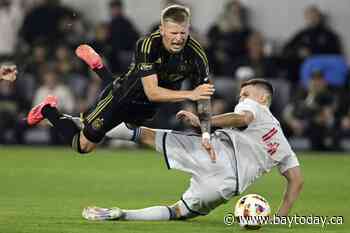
<point x="144" y="57"/>
<point x="247" y="105"/>
<point x="288" y="162"/>
<point x="201" y="62"/>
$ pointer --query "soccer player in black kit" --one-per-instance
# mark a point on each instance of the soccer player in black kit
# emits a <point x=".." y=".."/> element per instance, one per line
<point x="162" y="61"/>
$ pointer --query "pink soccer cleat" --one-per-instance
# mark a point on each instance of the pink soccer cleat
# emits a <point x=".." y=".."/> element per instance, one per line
<point x="89" y="56"/>
<point x="35" y="116"/>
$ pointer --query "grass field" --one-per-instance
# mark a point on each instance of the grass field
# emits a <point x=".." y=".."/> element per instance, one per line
<point x="43" y="190"/>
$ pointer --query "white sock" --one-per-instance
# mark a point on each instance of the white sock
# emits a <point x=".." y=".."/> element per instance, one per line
<point x="148" y="214"/>
<point x="122" y="132"/>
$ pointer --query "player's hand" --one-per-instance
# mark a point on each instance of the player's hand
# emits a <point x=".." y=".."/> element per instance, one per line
<point x="189" y="118"/>
<point x="208" y="146"/>
<point x="8" y="72"/>
<point x="202" y="92"/>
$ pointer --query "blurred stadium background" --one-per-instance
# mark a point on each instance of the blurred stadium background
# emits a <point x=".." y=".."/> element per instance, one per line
<point x="301" y="46"/>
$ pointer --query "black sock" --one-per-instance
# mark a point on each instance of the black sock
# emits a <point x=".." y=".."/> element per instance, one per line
<point x="104" y="73"/>
<point x="63" y="125"/>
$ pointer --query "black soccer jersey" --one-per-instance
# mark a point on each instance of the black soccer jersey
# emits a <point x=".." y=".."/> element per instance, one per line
<point x="124" y="100"/>
<point x="151" y="57"/>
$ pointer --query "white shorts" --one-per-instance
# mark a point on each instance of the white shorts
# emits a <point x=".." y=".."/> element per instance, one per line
<point x="212" y="183"/>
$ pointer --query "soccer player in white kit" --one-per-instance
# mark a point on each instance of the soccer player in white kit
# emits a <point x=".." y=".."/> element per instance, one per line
<point x="250" y="143"/>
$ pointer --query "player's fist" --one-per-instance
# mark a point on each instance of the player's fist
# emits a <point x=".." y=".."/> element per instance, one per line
<point x="202" y="92"/>
<point x="189" y="118"/>
<point x="206" y="143"/>
<point x="8" y="72"/>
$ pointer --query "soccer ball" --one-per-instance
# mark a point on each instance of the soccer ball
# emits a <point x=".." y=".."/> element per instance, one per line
<point x="252" y="211"/>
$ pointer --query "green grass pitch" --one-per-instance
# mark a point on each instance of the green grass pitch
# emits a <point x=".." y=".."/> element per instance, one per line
<point x="43" y="190"/>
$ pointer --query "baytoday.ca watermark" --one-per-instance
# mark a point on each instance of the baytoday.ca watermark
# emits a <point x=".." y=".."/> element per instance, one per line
<point x="296" y="219"/>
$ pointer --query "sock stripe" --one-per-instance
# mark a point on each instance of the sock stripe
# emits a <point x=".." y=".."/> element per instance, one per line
<point x="172" y="214"/>
<point x="136" y="134"/>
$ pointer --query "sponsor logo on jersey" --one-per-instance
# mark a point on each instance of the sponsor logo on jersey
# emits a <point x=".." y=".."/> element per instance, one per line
<point x="97" y="124"/>
<point x="146" y="66"/>
<point x="158" y="61"/>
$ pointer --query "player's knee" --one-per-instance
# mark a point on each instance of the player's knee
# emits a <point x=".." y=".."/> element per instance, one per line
<point x="147" y="136"/>
<point x="81" y="144"/>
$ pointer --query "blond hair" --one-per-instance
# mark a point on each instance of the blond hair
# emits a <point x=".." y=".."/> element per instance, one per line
<point x="175" y="13"/>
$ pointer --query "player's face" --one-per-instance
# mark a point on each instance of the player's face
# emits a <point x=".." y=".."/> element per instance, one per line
<point x="174" y="35"/>
<point x="253" y="93"/>
<point x="312" y="17"/>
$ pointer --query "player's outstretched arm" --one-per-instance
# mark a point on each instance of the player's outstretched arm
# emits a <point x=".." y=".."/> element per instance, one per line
<point x="293" y="189"/>
<point x="155" y="93"/>
<point x="223" y="120"/>
<point x="8" y="72"/>
<point x="231" y="119"/>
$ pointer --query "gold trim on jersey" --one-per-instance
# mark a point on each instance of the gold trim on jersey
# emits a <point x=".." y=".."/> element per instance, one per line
<point x="100" y="106"/>
<point x="146" y="44"/>
<point x="150" y="43"/>
<point x="198" y="49"/>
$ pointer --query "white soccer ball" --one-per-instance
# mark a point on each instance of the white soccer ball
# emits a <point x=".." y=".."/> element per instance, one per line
<point x="252" y="211"/>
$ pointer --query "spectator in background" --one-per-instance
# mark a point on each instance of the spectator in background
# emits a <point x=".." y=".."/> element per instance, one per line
<point x="265" y="67"/>
<point x="262" y="65"/>
<point x="100" y="41"/>
<point x="11" y="14"/>
<point x="345" y="125"/>
<point x="123" y="37"/>
<point x="93" y="89"/>
<point x="316" y="38"/>
<point x="227" y="38"/>
<point x="66" y="66"/>
<point x="38" y="56"/>
<point x="12" y="106"/>
<point x="72" y="28"/>
<point x="102" y="45"/>
<point x="51" y="85"/>
<point x="312" y="115"/>
<point x="42" y="23"/>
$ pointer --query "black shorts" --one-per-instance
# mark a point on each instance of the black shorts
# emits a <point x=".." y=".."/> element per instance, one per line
<point x="112" y="109"/>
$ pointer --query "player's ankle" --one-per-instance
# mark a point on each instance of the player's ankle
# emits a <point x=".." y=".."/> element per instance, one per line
<point x="49" y="110"/>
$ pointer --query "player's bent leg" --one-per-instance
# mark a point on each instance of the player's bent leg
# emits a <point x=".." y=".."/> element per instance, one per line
<point x="124" y="132"/>
<point x="81" y="144"/>
<point x="94" y="61"/>
<point x="85" y="144"/>
<point x="143" y="135"/>
<point x="65" y="125"/>
<point x="147" y="136"/>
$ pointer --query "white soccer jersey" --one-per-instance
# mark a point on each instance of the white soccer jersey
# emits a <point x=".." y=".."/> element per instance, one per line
<point x="261" y="146"/>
